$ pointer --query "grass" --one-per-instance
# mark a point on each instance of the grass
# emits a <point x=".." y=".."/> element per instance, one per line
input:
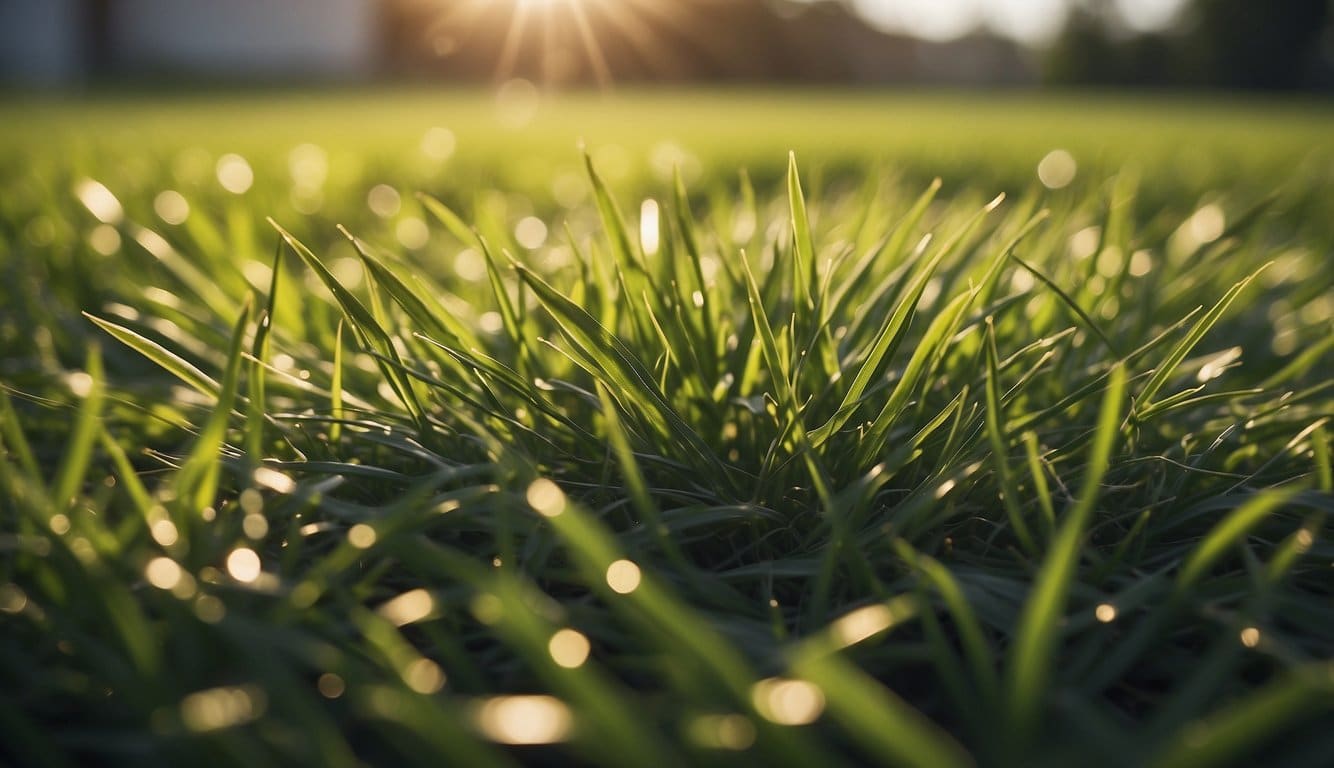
<point x="651" y="462"/>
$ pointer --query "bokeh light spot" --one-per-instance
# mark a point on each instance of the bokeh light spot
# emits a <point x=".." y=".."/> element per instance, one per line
<point x="623" y="577"/>
<point x="788" y="702"/>
<point x="243" y="565"/>
<point x="1057" y="169"/>
<point x="525" y="720"/>
<point x="569" y="648"/>
<point x="235" y="174"/>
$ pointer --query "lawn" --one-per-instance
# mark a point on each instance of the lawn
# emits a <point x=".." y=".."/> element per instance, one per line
<point x="416" y="427"/>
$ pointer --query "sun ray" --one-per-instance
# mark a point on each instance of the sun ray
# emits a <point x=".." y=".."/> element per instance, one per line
<point x="465" y="13"/>
<point x="509" y="53"/>
<point x="601" y="72"/>
<point x="658" y="58"/>
<point x="672" y="16"/>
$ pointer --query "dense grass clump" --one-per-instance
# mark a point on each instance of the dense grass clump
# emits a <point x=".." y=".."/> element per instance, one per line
<point x="892" y="472"/>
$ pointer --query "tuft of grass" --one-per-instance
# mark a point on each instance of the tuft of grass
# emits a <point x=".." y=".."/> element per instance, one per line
<point x="868" y="470"/>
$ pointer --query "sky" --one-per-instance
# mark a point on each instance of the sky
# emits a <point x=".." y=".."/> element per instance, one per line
<point x="1030" y="21"/>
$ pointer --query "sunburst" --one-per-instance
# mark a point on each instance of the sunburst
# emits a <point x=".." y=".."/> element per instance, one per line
<point x="568" y="39"/>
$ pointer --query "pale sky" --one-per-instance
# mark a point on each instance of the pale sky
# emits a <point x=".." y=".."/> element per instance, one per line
<point x="1031" y="21"/>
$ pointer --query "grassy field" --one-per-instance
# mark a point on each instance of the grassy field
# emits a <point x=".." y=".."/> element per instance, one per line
<point x="390" y="428"/>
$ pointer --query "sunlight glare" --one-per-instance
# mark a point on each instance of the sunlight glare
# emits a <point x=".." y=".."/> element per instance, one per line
<point x="243" y="565"/>
<point x="788" y="702"/>
<point x="623" y="577"/>
<point x="569" y="648"/>
<point x="649" y="235"/>
<point x="525" y="720"/>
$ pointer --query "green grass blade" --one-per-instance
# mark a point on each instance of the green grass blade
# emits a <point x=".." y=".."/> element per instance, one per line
<point x="83" y="437"/>
<point x="197" y="482"/>
<point x="803" y="247"/>
<point x="1229" y="531"/>
<point x="165" y="359"/>
<point x="1235" y="731"/>
<point x="1032" y="655"/>
<point x="1164" y="371"/>
<point x="1000" y="447"/>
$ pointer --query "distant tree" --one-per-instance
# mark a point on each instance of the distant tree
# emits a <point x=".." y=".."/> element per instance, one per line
<point x="1257" y="45"/>
<point x="1234" y="44"/>
<point x="1085" y="53"/>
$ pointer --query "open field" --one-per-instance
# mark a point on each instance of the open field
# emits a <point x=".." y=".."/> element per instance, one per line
<point x="691" y="455"/>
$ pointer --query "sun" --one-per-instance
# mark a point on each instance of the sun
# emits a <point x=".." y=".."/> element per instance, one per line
<point x="557" y="42"/>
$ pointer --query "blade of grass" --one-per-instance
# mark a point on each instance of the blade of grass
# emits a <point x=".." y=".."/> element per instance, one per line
<point x="1032" y="655"/>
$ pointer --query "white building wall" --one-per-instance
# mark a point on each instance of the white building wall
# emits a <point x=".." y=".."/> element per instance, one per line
<point x="39" y="41"/>
<point x="336" y="38"/>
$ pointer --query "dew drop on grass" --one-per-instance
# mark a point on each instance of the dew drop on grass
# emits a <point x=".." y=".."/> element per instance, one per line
<point x="569" y="648"/>
<point x="1110" y="261"/>
<point x="412" y="233"/>
<point x="623" y="576"/>
<point x="104" y="239"/>
<point x="491" y="322"/>
<point x="788" y="702"/>
<point x="649" y="237"/>
<point x="525" y="719"/>
<point x="243" y="565"/>
<point x="424" y="676"/>
<point x="1207" y="224"/>
<point x="408" y="608"/>
<point x="255" y="526"/>
<point x="1141" y="263"/>
<point x="361" y="536"/>
<point x="163" y="573"/>
<point x="274" y="480"/>
<point x="384" y="201"/>
<point x="251" y="501"/>
<point x="438" y="143"/>
<point x="331" y="686"/>
<point x="99" y="201"/>
<point x="1057" y="169"/>
<point x="546" y="498"/>
<point x="235" y="174"/>
<point x="1218" y="364"/>
<point x="861" y="624"/>
<point x="1084" y="242"/>
<point x="164" y="532"/>
<point x="81" y="384"/>
<point x="530" y="232"/>
<point x="220" y="708"/>
<point x="469" y="265"/>
<point x="172" y="207"/>
<point x="12" y="599"/>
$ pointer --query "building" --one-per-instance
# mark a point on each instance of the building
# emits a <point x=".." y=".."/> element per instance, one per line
<point x="54" y="42"/>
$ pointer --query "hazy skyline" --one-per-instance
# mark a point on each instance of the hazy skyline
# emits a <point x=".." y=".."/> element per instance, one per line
<point x="1030" y="21"/>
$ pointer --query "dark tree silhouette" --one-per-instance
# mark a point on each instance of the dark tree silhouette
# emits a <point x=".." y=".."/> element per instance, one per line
<point x="1258" y="45"/>
<point x="1232" y="44"/>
